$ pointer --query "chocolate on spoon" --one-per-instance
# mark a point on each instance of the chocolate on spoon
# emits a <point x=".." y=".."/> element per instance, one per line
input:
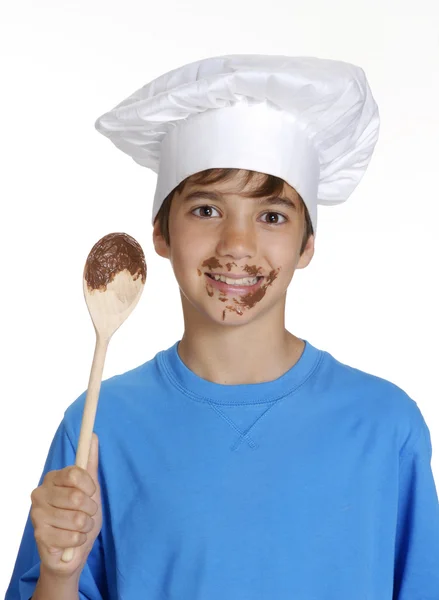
<point x="114" y="278"/>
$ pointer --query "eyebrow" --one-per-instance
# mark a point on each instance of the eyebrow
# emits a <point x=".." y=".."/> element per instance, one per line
<point x="218" y="197"/>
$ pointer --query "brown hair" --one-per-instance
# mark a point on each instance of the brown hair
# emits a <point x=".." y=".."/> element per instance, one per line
<point x="269" y="186"/>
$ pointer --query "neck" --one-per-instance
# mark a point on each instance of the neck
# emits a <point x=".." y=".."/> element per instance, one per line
<point x="232" y="355"/>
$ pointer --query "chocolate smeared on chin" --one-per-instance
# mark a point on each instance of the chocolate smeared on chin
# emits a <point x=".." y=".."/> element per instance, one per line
<point x="109" y="256"/>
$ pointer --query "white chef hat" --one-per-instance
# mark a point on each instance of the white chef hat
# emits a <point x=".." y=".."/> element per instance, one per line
<point x="312" y="122"/>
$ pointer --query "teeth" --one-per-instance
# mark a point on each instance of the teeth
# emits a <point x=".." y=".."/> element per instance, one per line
<point x="229" y="281"/>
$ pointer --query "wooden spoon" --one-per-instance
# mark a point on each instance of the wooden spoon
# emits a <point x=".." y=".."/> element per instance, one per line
<point x="114" y="278"/>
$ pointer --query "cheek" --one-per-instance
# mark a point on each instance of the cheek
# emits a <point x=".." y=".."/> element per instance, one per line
<point x="283" y="254"/>
<point x="192" y="251"/>
<point x="185" y="261"/>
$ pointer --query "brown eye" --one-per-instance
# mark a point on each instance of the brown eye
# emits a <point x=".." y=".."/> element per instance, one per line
<point x="203" y="208"/>
<point x="271" y="222"/>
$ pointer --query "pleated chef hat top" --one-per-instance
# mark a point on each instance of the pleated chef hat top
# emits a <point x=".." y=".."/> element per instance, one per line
<point x="312" y="122"/>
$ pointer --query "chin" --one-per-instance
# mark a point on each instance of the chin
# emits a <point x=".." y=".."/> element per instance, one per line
<point x="231" y="315"/>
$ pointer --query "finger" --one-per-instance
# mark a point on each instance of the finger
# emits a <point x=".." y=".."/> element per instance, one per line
<point x="72" y="520"/>
<point x="52" y="537"/>
<point x="75" y="477"/>
<point x="71" y="499"/>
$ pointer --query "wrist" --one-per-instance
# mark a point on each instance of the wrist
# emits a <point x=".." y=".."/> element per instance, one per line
<point x="59" y="581"/>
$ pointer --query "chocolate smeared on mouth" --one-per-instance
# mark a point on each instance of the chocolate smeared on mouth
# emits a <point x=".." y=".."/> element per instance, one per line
<point x="109" y="256"/>
<point x="249" y="300"/>
<point x="245" y="301"/>
<point x="213" y="263"/>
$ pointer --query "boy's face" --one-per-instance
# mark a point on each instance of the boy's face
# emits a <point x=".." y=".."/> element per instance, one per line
<point x="234" y="235"/>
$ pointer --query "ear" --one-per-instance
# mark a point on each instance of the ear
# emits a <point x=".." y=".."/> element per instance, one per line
<point x="307" y="254"/>
<point x="159" y="241"/>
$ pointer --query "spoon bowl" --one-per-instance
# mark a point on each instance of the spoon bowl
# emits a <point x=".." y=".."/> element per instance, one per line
<point x="110" y="308"/>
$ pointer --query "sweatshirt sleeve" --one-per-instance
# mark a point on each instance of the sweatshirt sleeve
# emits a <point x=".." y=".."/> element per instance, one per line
<point x="416" y="574"/>
<point x="92" y="584"/>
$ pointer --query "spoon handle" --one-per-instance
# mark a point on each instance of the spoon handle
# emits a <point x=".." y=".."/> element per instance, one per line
<point x="89" y="414"/>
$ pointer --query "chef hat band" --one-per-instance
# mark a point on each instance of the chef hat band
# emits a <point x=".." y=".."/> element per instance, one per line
<point x="256" y="137"/>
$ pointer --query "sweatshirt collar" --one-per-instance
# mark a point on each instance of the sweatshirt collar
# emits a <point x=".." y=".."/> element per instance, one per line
<point x="203" y="390"/>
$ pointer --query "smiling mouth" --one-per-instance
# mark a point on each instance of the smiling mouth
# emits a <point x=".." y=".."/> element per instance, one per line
<point x="258" y="277"/>
<point x="239" y="288"/>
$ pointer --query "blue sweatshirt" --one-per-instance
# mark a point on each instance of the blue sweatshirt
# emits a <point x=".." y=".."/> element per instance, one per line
<point x="314" y="486"/>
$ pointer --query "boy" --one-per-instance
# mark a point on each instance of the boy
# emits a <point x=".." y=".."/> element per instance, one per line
<point x="243" y="462"/>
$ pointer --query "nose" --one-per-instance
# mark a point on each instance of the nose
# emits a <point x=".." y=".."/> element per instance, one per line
<point x="237" y="240"/>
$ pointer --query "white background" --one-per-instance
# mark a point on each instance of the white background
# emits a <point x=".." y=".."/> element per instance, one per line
<point x="369" y="296"/>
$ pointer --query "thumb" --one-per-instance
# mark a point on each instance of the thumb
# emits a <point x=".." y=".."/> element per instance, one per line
<point x="93" y="458"/>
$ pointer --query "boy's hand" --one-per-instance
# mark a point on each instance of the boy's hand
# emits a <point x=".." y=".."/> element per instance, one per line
<point x="67" y="512"/>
